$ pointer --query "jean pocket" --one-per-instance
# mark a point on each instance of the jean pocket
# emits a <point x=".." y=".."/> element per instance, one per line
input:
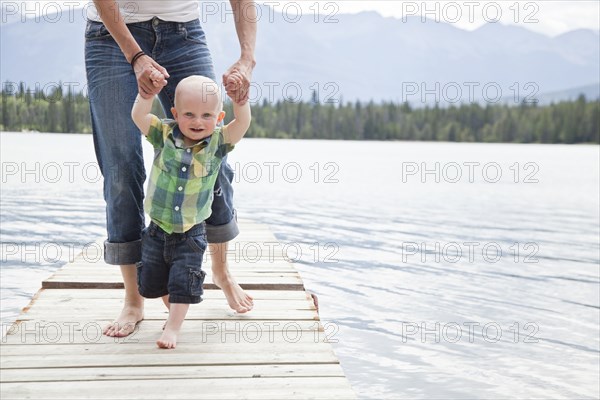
<point x="194" y="34"/>
<point x="96" y="30"/>
<point x="198" y="243"/>
<point x="196" y="280"/>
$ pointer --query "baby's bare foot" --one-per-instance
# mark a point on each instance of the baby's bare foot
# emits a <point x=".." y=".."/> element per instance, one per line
<point x="168" y="339"/>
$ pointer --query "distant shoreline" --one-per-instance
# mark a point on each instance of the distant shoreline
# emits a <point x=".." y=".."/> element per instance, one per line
<point x="340" y="140"/>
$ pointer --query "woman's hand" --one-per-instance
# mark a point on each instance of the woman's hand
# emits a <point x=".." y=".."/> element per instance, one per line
<point x="151" y="76"/>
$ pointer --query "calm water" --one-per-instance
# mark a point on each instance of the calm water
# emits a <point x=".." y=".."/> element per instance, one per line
<point x="484" y="284"/>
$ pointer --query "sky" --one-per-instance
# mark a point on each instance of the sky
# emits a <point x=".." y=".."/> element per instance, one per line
<point x="550" y="17"/>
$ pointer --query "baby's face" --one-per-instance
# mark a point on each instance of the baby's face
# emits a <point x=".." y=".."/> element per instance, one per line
<point x="197" y="115"/>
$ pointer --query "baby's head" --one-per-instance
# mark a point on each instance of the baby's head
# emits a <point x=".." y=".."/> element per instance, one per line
<point x="198" y="107"/>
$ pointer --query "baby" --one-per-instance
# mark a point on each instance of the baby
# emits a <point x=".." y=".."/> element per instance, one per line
<point x="188" y="155"/>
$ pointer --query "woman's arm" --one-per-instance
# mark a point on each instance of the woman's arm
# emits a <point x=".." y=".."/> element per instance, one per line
<point x="244" y="14"/>
<point x="109" y="13"/>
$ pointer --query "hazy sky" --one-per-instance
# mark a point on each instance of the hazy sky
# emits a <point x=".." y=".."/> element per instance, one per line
<point x="548" y="17"/>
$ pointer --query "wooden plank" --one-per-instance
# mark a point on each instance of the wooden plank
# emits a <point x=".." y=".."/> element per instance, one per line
<point x="235" y="261"/>
<point x="260" y="242"/>
<point x="241" y="276"/>
<point x="170" y="357"/>
<point x="254" y="278"/>
<point x="166" y="372"/>
<point x="158" y="311"/>
<point x="67" y="294"/>
<point x="160" y="314"/>
<point x="200" y="344"/>
<point x="197" y="313"/>
<point x="49" y="284"/>
<point x="243" y="258"/>
<point x="248" y="388"/>
<point x="59" y="305"/>
<point x="262" y="266"/>
<point x="242" y="279"/>
<point x="37" y="333"/>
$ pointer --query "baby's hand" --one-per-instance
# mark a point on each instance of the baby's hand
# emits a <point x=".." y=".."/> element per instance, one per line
<point x="235" y="81"/>
<point x="156" y="76"/>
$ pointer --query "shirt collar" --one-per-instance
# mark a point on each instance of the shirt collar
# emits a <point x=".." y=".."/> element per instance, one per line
<point x="178" y="139"/>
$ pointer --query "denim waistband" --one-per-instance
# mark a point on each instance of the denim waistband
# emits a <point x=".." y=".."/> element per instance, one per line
<point x="156" y="230"/>
<point x="157" y="24"/>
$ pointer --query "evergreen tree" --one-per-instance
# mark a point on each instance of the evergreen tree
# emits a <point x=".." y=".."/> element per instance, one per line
<point x="63" y="110"/>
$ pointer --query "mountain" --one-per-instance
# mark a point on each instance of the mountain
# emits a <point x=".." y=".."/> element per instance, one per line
<point x="589" y="91"/>
<point x="355" y="56"/>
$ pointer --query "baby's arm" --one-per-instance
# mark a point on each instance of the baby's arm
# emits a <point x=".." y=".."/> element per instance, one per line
<point x="141" y="113"/>
<point x="236" y="129"/>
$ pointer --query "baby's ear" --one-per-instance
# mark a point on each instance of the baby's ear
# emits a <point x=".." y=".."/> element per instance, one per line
<point x="221" y="117"/>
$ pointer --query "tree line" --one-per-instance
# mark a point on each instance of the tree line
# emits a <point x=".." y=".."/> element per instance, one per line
<point x="577" y="121"/>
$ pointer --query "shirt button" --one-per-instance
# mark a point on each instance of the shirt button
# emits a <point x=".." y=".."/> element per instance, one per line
<point x="180" y="188"/>
<point x="176" y="208"/>
<point x="184" y="169"/>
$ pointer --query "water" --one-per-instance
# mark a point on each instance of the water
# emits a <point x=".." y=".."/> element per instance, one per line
<point x="417" y="306"/>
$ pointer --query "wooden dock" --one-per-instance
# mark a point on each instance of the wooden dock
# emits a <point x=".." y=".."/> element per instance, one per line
<point x="56" y="350"/>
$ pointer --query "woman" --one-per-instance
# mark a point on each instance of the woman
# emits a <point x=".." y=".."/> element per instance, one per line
<point x="126" y="41"/>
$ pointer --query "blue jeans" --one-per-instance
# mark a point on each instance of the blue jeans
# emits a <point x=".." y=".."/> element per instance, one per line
<point x="112" y="88"/>
<point x="172" y="264"/>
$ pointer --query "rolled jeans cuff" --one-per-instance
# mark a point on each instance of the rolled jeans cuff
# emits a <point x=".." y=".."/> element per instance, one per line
<point x="122" y="253"/>
<point x="223" y="233"/>
<point x="177" y="299"/>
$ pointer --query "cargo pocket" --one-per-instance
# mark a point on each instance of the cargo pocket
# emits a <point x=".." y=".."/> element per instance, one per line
<point x="196" y="280"/>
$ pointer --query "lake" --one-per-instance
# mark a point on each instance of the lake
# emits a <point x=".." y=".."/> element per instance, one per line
<point x="443" y="270"/>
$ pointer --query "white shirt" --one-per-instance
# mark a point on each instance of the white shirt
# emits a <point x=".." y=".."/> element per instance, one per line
<point x="145" y="10"/>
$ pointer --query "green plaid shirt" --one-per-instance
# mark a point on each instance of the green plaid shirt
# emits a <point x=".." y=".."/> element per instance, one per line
<point x="180" y="190"/>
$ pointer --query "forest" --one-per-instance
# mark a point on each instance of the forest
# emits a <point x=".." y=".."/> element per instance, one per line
<point x="569" y="122"/>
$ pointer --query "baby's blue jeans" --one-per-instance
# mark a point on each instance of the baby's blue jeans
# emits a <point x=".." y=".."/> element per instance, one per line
<point x="172" y="264"/>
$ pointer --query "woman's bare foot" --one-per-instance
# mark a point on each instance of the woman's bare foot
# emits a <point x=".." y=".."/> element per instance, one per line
<point x="125" y="324"/>
<point x="237" y="298"/>
<point x="133" y="308"/>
